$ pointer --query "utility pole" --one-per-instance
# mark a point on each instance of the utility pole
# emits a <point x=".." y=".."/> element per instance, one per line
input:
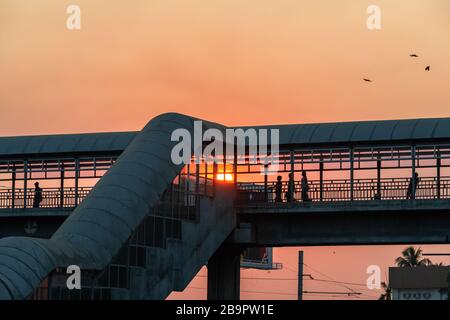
<point x="300" y="275"/>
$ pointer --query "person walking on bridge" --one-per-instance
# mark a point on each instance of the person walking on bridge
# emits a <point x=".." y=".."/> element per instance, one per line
<point x="37" y="195"/>
<point x="291" y="188"/>
<point x="278" y="190"/>
<point x="411" y="193"/>
<point x="305" y="187"/>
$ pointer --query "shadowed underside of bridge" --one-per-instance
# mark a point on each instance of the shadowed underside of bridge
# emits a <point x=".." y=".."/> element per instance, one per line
<point x="345" y="223"/>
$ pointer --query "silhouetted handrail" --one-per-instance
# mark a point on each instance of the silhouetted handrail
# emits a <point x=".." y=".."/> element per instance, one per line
<point x="340" y="190"/>
<point x="51" y="197"/>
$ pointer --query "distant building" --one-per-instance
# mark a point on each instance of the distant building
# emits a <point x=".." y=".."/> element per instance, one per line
<point x="260" y="258"/>
<point x="419" y="283"/>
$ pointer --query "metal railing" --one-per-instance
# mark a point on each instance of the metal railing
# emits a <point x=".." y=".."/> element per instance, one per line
<point x="70" y="197"/>
<point x="342" y="190"/>
<point x="51" y="197"/>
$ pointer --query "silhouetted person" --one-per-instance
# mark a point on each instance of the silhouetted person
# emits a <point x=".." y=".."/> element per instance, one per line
<point x="411" y="193"/>
<point x="278" y="190"/>
<point x="37" y="195"/>
<point x="291" y="188"/>
<point x="305" y="187"/>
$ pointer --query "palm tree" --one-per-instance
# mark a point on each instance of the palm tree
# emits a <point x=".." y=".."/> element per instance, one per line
<point x="387" y="292"/>
<point x="412" y="258"/>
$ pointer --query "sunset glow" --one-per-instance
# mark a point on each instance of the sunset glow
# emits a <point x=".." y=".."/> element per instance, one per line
<point x="237" y="63"/>
<point x="227" y="177"/>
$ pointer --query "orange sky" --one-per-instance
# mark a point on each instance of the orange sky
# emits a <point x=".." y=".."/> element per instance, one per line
<point x="231" y="61"/>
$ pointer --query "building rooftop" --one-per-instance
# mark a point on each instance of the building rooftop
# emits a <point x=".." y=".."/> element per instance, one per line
<point x="430" y="277"/>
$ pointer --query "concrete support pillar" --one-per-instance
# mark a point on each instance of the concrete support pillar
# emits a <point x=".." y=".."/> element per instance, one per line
<point x="224" y="273"/>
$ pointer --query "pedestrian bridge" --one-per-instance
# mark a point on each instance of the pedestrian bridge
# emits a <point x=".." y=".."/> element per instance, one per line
<point x="141" y="227"/>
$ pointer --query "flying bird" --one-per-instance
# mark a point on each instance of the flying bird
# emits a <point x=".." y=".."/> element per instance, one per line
<point x="427" y="68"/>
<point x="413" y="55"/>
<point x="367" y="80"/>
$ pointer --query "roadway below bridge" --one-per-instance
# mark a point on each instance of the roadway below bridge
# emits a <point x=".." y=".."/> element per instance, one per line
<point x="344" y="223"/>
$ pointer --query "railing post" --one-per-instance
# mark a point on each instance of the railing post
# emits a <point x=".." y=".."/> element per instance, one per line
<point x="197" y="187"/>
<point x="25" y="182"/>
<point x="266" y="196"/>
<point x="197" y="177"/>
<point x="61" y="186"/>
<point x="438" y="175"/>
<point x="379" y="177"/>
<point x="214" y="176"/>
<point x="413" y="167"/>
<point x="206" y="179"/>
<point x="235" y="160"/>
<point x="187" y="185"/>
<point x="321" y="179"/>
<point x="352" y="173"/>
<point x="77" y="174"/>
<point x="13" y="186"/>
<point x="292" y="187"/>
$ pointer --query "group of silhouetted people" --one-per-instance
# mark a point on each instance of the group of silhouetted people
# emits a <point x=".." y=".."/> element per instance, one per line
<point x="290" y="192"/>
<point x="289" y="195"/>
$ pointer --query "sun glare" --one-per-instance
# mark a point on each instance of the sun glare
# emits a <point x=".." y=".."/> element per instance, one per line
<point x="224" y="177"/>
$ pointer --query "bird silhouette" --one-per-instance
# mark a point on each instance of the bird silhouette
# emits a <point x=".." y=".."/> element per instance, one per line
<point x="367" y="80"/>
<point x="413" y="55"/>
<point x="427" y="68"/>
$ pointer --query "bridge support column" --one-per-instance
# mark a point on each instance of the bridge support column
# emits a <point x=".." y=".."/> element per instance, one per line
<point x="224" y="273"/>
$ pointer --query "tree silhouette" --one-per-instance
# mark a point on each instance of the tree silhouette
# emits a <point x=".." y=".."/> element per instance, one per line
<point x="386" y="295"/>
<point x="412" y="258"/>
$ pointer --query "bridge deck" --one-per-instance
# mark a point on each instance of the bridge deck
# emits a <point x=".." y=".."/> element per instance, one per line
<point x="35" y="212"/>
<point x="346" y="206"/>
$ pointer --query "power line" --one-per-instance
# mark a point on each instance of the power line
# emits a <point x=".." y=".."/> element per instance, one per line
<point x="250" y="291"/>
<point x="261" y="278"/>
<point x="291" y="294"/>
<point x="343" y="282"/>
<point x="333" y="293"/>
<point x="353" y="293"/>
<point x="311" y="278"/>
<point x="332" y="279"/>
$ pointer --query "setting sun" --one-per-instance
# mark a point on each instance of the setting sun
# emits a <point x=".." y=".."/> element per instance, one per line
<point x="224" y="177"/>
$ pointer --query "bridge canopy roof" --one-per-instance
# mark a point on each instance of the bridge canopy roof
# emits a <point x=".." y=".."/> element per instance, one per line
<point x="326" y="134"/>
<point x="369" y="132"/>
<point x="66" y="143"/>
